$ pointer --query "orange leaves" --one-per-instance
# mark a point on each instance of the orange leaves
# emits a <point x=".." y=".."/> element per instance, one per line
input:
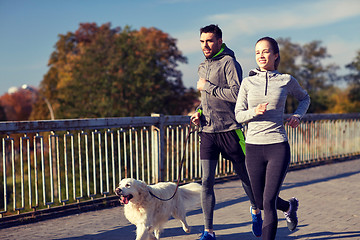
<point x="18" y="105"/>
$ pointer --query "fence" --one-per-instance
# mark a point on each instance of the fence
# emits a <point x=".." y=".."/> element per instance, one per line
<point x="51" y="163"/>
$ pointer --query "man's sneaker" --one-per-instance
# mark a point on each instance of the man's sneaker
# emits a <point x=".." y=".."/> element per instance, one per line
<point x="291" y="217"/>
<point x="256" y="223"/>
<point x="206" y="236"/>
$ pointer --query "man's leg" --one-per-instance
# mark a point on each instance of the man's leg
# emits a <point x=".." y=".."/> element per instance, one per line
<point x="209" y="155"/>
<point x="207" y="193"/>
<point x="231" y="148"/>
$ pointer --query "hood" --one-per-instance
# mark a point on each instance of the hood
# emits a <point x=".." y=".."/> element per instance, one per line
<point x="257" y="71"/>
<point x="223" y="51"/>
<point x="265" y="74"/>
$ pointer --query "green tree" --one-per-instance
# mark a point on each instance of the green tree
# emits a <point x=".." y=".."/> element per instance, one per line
<point x="99" y="71"/>
<point x="305" y="64"/>
<point x="353" y="78"/>
<point x="289" y="53"/>
<point x="341" y="101"/>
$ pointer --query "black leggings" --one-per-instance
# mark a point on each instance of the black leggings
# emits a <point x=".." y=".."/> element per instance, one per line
<point x="267" y="166"/>
<point x="211" y="145"/>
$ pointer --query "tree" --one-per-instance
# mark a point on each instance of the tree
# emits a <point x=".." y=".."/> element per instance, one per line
<point x="305" y="64"/>
<point x="289" y="53"/>
<point x="17" y="106"/>
<point x="353" y="78"/>
<point x="341" y="103"/>
<point x="99" y="71"/>
<point x="2" y="114"/>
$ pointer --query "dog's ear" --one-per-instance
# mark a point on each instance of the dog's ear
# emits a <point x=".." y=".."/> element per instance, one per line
<point x="143" y="186"/>
<point x="143" y="190"/>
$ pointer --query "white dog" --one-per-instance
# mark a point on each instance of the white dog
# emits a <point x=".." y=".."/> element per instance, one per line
<point x="148" y="213"/>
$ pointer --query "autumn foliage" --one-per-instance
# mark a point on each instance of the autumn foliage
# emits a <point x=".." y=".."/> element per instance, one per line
<point x="16" y="106"/>
<point x="99" y="71"/>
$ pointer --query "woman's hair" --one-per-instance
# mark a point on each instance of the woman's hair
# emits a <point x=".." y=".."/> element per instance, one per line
<point x="212" y="29"/>
<point x="274" y="47"/>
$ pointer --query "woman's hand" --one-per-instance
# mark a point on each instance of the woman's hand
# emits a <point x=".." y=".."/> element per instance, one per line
<point x="293" y="121"/>
<point x="261" y="108"/>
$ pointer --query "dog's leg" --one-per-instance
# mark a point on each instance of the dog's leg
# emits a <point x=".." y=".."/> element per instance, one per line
<point x="181" y="215"/>
<point x="185" y="226"/>
<point x="157" y="233"/>
<point x="151" y="231"/>
<point x="142" y="232"/>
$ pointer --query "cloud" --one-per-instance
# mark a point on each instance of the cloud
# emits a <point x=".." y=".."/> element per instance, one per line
<point x="187" y="41"/>
<point x="176" y="1"/>
<point x="242" y="26"/>
<point x="287" y="16"/>
<point x="250" y="21"/>
<point x="342" y="52"/>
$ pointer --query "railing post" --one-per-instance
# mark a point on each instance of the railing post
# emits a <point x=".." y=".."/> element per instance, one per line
<point x="158" y="143"/>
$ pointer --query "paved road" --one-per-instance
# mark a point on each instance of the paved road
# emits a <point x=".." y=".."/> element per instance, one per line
<point x="329" y="198"/>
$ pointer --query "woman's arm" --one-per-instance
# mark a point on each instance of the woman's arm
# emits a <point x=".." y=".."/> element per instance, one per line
<point x="242" y="112"/>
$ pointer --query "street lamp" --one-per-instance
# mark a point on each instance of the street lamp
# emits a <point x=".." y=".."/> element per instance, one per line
<point x="26" y="87"/>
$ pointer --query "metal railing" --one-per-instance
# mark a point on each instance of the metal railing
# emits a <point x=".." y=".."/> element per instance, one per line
<point x="51" y="163"/>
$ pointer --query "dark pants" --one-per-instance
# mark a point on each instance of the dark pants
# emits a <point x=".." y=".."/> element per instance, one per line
<point x="267" y="166"/>
<point x="211" y="145"/>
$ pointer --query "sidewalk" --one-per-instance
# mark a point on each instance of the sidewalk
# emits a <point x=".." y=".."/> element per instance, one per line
<point x="329" y="208"/>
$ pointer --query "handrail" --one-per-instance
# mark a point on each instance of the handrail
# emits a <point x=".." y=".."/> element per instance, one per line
<point x="59" y="162"/>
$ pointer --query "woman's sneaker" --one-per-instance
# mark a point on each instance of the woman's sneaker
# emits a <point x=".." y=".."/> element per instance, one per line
<point x="206" y="236"/>
<point x="291" y="216"/>
<point x="256" y="223"/>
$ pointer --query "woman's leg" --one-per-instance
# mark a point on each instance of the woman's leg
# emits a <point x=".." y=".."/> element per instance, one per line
<point x="278" y="159"/>
<point x="256" y="167"/>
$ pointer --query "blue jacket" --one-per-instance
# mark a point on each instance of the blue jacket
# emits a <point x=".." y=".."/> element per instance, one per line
<point x="223" y="74"/>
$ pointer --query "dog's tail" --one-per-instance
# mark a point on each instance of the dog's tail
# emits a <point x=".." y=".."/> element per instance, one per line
<point x="190" y="194"/>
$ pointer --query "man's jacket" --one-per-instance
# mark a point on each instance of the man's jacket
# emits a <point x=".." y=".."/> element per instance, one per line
<point x="218" y="98"/>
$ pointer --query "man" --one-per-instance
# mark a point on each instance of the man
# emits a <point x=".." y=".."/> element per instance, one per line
<point x="219" y="82"/>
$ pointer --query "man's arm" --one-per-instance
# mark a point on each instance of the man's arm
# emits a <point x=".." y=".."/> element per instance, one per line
<point x="233" y="74"/>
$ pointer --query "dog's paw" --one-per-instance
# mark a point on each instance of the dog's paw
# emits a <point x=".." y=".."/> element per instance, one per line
<point x="187" y="229"/>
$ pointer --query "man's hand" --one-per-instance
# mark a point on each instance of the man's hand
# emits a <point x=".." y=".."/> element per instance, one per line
<point x="195" y="118"/>
<point x="201" y="84"/>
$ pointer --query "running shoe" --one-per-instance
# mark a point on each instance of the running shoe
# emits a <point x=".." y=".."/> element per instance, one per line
<point x="256" y="223"/>
<point x="206" y="236"/>
<point x="291" y="217"/>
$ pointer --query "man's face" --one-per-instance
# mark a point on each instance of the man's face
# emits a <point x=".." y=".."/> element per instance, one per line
<point x="210" y="45"/>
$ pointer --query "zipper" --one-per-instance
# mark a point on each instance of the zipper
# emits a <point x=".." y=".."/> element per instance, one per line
<point x="266" y="84"/>
<point x="208" y="110"/>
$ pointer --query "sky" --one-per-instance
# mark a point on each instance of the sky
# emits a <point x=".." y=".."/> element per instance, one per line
<point x="29" y="29"/>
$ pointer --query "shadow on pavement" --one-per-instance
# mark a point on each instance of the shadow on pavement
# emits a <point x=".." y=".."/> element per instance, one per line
<point x="128" y="232"/>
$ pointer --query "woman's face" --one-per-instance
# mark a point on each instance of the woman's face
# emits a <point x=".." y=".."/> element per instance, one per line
<point x="265" y="57"/>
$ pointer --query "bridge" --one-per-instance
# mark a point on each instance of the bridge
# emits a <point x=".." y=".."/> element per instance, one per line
<point x="107" y="150"/>
<point x="329" y="208"/>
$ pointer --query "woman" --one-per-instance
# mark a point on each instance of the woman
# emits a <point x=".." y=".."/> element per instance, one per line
<point x="261" y="104"/>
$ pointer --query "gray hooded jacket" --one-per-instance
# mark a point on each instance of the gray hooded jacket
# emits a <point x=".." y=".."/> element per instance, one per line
<point x="268" y="87"/>
<point x="218" y="98"/>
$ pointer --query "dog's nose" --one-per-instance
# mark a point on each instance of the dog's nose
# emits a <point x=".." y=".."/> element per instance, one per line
<point x="118" y="191"/>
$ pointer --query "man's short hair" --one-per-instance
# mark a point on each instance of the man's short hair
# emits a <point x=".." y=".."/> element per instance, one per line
<point x="212" y="29"/>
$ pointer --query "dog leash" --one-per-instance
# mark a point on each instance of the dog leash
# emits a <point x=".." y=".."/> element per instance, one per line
<point x="191" y="130"/>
